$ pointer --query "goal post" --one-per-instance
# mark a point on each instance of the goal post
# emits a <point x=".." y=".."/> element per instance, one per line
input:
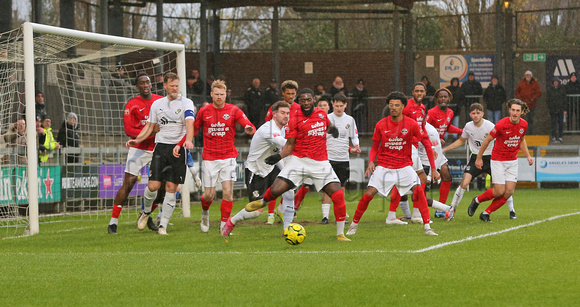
<point x="37" y="51"/>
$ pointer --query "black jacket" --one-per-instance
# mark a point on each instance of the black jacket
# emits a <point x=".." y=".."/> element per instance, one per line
<point x="494" y="97"/>
<point x="471" y="88"/>
<point x="457" y="102"/>
<point x="68" y="135"/>
<point x="556" y="99"/>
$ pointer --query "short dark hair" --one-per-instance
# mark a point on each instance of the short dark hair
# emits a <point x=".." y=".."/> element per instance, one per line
<point x="170" y="76"/>
<point x="305" y="91"/>
<point x="525" y="108"/>
<point x="476" y="106"/>
<point x="139" y="76"/>
<point x="421" y="84"/>
<point x="280" y="104"/>
<point x="339" y="97"/>
<point x="397" y="96"/>
<point x="443" y="89"/>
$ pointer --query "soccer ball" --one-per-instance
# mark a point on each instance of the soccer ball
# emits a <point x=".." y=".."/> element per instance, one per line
<point x="294" y="234"/>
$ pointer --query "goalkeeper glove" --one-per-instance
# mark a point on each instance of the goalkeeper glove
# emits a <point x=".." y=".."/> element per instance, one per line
<point x="273" y="159"/>
<point x="333" y="131"/>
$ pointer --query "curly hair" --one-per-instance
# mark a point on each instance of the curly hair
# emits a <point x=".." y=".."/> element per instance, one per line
<point x="525" y="108"/>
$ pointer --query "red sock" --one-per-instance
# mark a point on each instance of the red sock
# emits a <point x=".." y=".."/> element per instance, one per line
<point x="116" y="211"/>
<point x="362" y="206"/>
<point x="300" y="196"/>
<point x="268" y="196"/>
<point x="271" y="206"/>
<point x="395" y="199"/>
<point x="205" y="204"/>
<point x="444" y="191"/>
<point x="487" y="195"/>
<point x="226" y="209"/>
<point x="424" y="187"/>
<point x="496" y="204"/>
<point x="339" y="205"/>
<point x="420" y="202"/>
<point x="153" y="207"/>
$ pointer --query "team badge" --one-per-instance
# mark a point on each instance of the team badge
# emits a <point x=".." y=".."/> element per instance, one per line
<point x="321" y="116"/>
<point x="404" y="131"/>
<point x="521" y="130"/>
<point x="256" y="193"/>
<point x="226" y="116"/>
<point x="347" y="126"/>
<point x="177" y="111"/>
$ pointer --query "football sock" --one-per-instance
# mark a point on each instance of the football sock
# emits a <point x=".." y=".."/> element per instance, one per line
<point x="362" y="206"/>
<point x="404" y="204"/>
<point x="457" y="197"/>
<point x="222" y="225"/>
<point x="416" y="214"/>
<point x="339" y="207"/>
<point x="205" y="203"/>
<point x="392" y="215"/>
<point x="226" y="209"/>
<point x="155" y="207"/>
<point x="148" y="198"/>
<point x="168" y="207"/>
<point x="420" y="202"/>
<point x="245" y="215"/>
<point x="270" y="215"/>
<point x="424" y="186"/>
<point x="395" y="199"/>
<point x="510" y="204"/>
<point x="496" y="204"/>
<point x="288" y="204"/>
<point x="487" y="195"/>
<point x="271" y="206"/>
<point x="300" y="196"/>
<point x="340" y="228"/>
<point x="115" y="216"/>
<point x="440" y="206"/>
<point x="444" y="191"/>
<point x="268" y="196"/>
<point x="325" y="210"/>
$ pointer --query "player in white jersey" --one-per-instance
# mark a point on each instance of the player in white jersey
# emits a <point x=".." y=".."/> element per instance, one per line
<point x="175" y="116"/>
<point x="339" y="148"/>
<point x="268" y="140"/>
<point x="475" y="133"/>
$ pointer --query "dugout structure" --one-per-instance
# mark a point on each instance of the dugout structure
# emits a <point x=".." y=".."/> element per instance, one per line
<point x="92" y="75"/>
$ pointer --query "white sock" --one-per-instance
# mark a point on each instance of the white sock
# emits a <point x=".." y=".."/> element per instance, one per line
<point x="404" y="205"/>
<point x="222" y="225"/>
<point x="114" y="221"/>
<point x="457" y="197"/>
<point x="270" y="215"/>
<point x="245" y="215"/>
<point x="204" y="212"/>
<point x="288" y="203"/>
<point x="325" y="210"/>
<point x="416" y="214"/>
<point x="392" y="215"/>
<point x="168" y="207"/>
<point x="510" y="203"/>
<point x="440" y="206"/>
<point x="340" y="228"/>
<point x="426" y="226"/>
<point x="148" y="198"/>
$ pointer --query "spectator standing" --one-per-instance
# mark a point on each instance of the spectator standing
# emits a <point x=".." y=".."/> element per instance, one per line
<point x="429" y="102"/>
<point x="254" y="101"/>
<point x="271" y="94"/>
<point x="471" y="87"/>
<point x="47" y="140"/>
<point x="360" y="97"/>
<point x="528" y="91"/>
<point x="68" y="136"/>
<point x="319" y="90"/>
<point x="456" y="100"/>
<point x="338" y="87"/>
<point x="494" y="97"/>
<point x="573" y="87"/>
<point x="39" y="104"/>
<point x="16" y="138"/>
<point x="557" y="104"/>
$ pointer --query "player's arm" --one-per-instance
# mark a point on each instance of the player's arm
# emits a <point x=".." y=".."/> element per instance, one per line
<point x="243" y="120"/>
<point x="286" y="151"/>
<point x="524" y="148"/>
<point x="431" y="156"/>
<point x="479" y="160"/>
<point x="372" y="157"/>
<point x="453" y="129"/>
<point x="459" y="142"/>
<point x="145" y="132"/>
<point x="131" y="128"/>
<point x="354" y="139"/>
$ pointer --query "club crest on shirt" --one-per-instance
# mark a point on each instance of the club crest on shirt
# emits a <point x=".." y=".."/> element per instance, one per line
<point x="347" y="126"/>
<point x="521" y="130"/>
<point x="404" y="131"/>
<point x="177" y="111"/>
<point x="321" y="116"/>
<point x="256" y="193"/>
<point x="226" y="116"/>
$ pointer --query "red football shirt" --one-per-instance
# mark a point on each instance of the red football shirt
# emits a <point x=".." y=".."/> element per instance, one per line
<point x="442" y="121"/>
<point x="135" y="118"/>
<point x="508" y="137"/>
<point x="310" y="134"/>
<point x="219" y="130"/>
<point x="293" y="107"/>
<point x="395" y="141"/>
<point x="415" y="111"/>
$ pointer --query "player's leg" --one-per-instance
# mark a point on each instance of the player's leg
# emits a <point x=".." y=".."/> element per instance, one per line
<point x="445" y="183"/>
<point x="503" y="186"/>
<point x="168" y="207"/>
<point x="342" y="171"/>
<point x="336" y="194"/>
<point x="325" y="208"/>
<point x="210" y="174"/>
<point x="120" y="200"/>
<point x="227" y="202"/>
<point x="408" y="180"/>
<point x="458" y="195"/>
<point x="174" y="174"/>
<point x="498" y="176"/>
<point x="378" y="183"/>
<point x="288" y="207"/>
<point x="394" y="204"/>
<point x="510" y="204"/>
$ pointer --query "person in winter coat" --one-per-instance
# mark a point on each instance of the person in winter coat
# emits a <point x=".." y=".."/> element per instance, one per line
<point x="471" y="87"/>
<point x="494" y="97"/>
<point x="457" y="99"/>
<point x="528" y="91"/>
<point x="68" y="135"/>
<point x="557" y="104"/>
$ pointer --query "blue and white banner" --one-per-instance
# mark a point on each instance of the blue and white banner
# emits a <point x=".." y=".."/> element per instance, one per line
<point x="561" y="67"/>
<point x="558" y="169"/>
<point x="458" y="66"/>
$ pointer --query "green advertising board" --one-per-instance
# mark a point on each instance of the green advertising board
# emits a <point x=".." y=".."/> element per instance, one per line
<point x="14" y="187"/>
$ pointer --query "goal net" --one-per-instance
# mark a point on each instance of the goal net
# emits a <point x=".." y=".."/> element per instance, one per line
<point x="85" y="76"/>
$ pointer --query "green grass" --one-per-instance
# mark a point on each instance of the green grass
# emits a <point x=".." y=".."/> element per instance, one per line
<point x="76" y="262"/>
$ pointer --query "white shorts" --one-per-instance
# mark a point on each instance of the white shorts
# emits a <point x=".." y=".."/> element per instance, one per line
<point x="297" y="170"/>
<point x="217" y="171"/>
<point x="384" y="179"/>
<point x="417" y="165"/>
<point x="136" y="160"/>
<point x="502" y="171"/>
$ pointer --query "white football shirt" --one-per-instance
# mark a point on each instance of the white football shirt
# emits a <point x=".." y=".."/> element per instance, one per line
<point x="170" y="116"/>
<point x="337" y="148"/>
<point x="436" y="142"/>
<point x="476" y="135"/>
<point x="267" y="140"/>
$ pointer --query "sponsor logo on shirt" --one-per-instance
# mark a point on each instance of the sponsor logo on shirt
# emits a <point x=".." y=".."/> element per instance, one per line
<point x="318" y="129"/>
<point x="218" y="129"/>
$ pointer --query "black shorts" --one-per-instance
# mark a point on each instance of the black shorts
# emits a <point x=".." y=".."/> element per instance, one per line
<point x="342" y="171"/>
<point x="166" y="167"/>
<point x="473" y="170"/>
<point x="257" y="185"/>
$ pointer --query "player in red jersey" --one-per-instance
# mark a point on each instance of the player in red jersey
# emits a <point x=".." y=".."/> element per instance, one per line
<point x="392" y="145"/>
<point x="135" y="118"/>
<point x="218" y="124"/>
<point x="509" y="134"/>
<point x="306" y="146"/>
<point x="440" y="117"/>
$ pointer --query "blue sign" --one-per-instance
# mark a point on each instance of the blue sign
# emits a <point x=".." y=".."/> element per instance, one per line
<point x="458" y="66"/>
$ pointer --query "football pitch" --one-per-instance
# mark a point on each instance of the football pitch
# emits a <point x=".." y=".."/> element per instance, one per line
<point x="534" y="260"/>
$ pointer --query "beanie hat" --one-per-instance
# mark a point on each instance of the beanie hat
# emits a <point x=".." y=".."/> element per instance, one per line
<point x="529" y="72"/>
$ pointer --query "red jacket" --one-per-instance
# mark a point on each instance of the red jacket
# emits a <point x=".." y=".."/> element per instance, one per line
<point x="528" y="92"/>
